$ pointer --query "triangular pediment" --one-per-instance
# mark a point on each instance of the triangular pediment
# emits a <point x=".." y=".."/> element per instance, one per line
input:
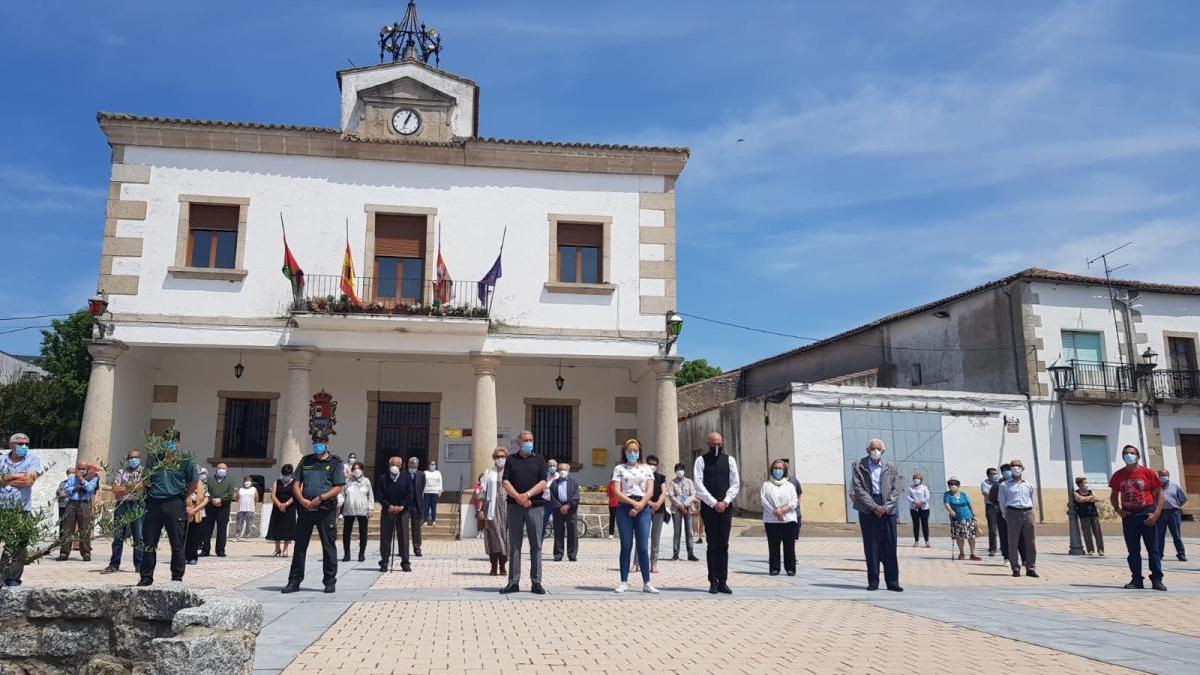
<point x="404" y="90"/>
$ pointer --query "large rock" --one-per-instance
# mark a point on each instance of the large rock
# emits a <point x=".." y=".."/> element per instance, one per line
<point x="69" y="603"/>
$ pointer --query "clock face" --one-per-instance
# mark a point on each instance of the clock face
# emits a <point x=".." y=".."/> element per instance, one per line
<point x="406" y="121"/>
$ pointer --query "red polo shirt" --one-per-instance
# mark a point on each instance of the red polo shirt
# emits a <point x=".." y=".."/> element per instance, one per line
<point x="1136" y="485"/>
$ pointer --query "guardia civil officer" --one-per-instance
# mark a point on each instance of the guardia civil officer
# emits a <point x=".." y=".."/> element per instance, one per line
<point x="319" y="480"/>
<point x="171" y="476"/>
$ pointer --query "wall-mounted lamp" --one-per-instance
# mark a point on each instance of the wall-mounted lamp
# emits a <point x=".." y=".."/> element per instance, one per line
<point x="239" y="368"/>
<point x="559" y="381"/>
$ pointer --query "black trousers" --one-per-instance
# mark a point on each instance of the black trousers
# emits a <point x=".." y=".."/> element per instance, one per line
<point x="347" y="526"/>
<point x="920" y="522"/>
<point x="1002" y="526"/>
<point x="216" y="517"/>
<point x="564" y="527"/>
<point x="193" y="538"/>
<point x="992" y="517"/>
<point x="879" y="547"/>
<point x="160" y="514"/>
<point x="415" y="520"/>
<point x="398" y="524"/>
<point x="716" y="526"/>
<point x="781" y="535"/>
<point x="325" y="523"/>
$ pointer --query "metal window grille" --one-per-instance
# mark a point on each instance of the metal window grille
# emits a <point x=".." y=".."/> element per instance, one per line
<point x="247" y="427"/>
<point x="552" y="428"/>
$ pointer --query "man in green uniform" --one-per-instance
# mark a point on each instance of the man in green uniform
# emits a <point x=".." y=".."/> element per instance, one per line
<point x="319" y="480"/>
<point x="172" y="476"/>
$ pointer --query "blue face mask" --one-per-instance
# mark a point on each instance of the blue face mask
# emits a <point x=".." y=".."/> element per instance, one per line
<point x="527" y="447"/>
<point x="777" y="474"/>
<point x="1007" y="475"/>
<point x="220" y="473"/>
<point x="134" y="462"/>
<point x="995" y="478"/>
<point x="170" y="445"/>
<point x="411" y="470"/>
<point x="632" y="457"/>
<point x="551" y="470"/>
<point x="1164" y="480"/>
<point x="318" y="448"/>
<point x="21" y="450"/>
<point x="1130" y="459"/>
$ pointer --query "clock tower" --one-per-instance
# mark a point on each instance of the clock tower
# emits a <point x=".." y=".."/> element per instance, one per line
<point x="407" y="99"/>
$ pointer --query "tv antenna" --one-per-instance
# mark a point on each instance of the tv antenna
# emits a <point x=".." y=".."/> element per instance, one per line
<point x="1112" y="292"/>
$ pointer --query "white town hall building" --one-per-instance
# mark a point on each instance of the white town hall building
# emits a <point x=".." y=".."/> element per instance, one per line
<point x="207" y="336"/>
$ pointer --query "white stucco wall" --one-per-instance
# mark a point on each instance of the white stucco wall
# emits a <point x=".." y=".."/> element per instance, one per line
<point x="317" y="197"/>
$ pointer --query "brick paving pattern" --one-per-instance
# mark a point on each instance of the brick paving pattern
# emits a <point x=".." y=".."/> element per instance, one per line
<point x="1163" y="612"/>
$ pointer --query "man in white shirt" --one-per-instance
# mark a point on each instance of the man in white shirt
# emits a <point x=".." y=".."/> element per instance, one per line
<point x="1017" y="498"/>
<point x="717" y="482"/>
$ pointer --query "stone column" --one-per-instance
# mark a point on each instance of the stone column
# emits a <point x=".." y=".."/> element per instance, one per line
<point x="296" y="441"/>
<point x="666" y="420"/>
<point x="484" y="426"/>
<point x="95" y="431"/>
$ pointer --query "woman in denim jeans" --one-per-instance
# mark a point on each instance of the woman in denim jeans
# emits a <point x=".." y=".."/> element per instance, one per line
<point x="633" y="483"/>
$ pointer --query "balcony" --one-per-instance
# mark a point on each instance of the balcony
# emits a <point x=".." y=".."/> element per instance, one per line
<point x="1099" y="381"/>
<point x="380" y="299"/>
<point x="1176" y="384"/>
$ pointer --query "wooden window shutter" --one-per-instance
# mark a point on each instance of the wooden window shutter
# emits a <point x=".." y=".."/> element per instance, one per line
<point x="218" y="217"/>
<point x="581" y="234"/>
<point x="399" y="236"/>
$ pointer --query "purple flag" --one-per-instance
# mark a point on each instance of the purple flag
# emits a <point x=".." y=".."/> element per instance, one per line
<point x="489" y="280"/>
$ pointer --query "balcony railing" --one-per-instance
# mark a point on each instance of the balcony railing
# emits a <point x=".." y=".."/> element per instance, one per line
<point x="1101" y="376"/>
<point x="386" y="296"/>
<point x="1176" y="384"/>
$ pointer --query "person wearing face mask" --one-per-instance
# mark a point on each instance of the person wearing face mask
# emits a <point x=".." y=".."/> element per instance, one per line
<point x="247" y="506"/>
<point x="319" y="482"/>
<point x="221" y="493"/>
<point x="356" y="508"/>
<point x="524" y="484"/>
<point x="717" y="485"/>
<point x="495" y="513"/>
<point x="1173" y="500"/>
<point x="1004" y="476"/>
<point x="1089" y="516"/>
<point x="433" y="492"/>
<point x="875" y="488"/>
<point x="564" y="504"/>
<point x="129" y="492"/>
<point x="19" y="470"/>
<point x="635" y="485"/>
<point x="394" y="492"/>
<point x="172" y="477"/>
<point x="985" y="490"/>
<point x="682" y="499"/>
<point x="1017" y="497"/>
<point x="62" y="496"/>
<point x="780" y="505"/>
<point x="551" y="473"/>
<point x="77" y="523"/>
<point x="658" y="511"/>
<point x="1137" y="497"/>
<point x="348" y="465"/>
<point x="416" y="514"/>
<point x="962" y="518"/>
<point x="282" y="528"/>
<point x="791" y="478"/>
<point x="918" y="508"/>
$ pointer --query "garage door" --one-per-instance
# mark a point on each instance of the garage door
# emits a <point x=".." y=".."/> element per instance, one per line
<point x="914" y="443"/>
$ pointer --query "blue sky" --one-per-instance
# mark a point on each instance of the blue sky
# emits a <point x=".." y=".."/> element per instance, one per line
<point x="891" y="153"/>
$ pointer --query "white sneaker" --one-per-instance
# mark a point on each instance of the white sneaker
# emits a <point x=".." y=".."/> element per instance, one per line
<point x="647" y="588"/>
<point x="621" y="587"/>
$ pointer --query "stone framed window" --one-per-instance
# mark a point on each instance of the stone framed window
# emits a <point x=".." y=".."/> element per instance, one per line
<point x="399" y="252"/>
<point x="580" y="254"/>
<point x="211" y="240"/>
<point x="246" y="425"/>
<point x="555" y="426"/>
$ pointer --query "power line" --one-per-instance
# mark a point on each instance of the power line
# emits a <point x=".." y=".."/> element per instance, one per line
<point x="34" y="316"/>
<point x="853" y="344"/>
<point x="18" y="330"/>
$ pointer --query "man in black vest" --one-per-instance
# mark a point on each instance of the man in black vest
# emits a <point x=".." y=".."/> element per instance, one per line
<point x="716" y="477"/>
<point x="415" y="513"/>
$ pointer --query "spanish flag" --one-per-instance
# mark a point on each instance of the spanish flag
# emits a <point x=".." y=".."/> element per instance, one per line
<point x="348" y="277"/>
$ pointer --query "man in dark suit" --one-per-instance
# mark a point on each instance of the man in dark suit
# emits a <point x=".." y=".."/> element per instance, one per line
<point x="416" y="515"/>
<point x="875" y="490"/>
<point x="564" y="505"/>
<point x="393" y="491"/>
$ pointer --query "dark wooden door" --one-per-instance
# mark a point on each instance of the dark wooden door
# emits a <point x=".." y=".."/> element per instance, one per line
<point x="403" y="431"/>
<point x="1189" y="450"/>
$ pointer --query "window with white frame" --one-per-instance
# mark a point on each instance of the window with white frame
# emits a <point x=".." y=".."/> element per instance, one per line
<point x="1097" y="462"/>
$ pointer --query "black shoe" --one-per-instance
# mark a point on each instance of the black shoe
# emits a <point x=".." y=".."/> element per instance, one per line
<point x="382" y="565"/>
<point x="290" y="588"/>
<point x="572" y="559"/>
<point x="144" y="581"/>
<point x="405" y="567"/>
<point x="1016" y="573"/>
<point x="87" y="558"/>
<point x="203" y="554"/>
<point x="675" y="557"/>
<point x="692" y="558"/>
<point x="872" y="587"/>
<point x="774" y="573"/>
<point x="1181" y="557"/>
<point x="109" y="570"/>
<point x="537" y="589"/>
<point x="62" y="558"/>
<point x="896" y="588"/>
<point x="362" y="557"/>
<point x="1158" y="586"/>
<point x="220" y="555"/>
<point x="558" y="559"/>
<point x="417" y="553"/>
<point x="1135" y="585"/>
<point x="192" y="562"/>
<point x="712" y="587"/>
<point x="791" y="573"/>
<point x="346" y="557"/>
<point x="331" y="588"/>
<point x="1031" y="573"/>
<point x="724" y="588"/>
<point x="511" y="588"/>
<point x="175" y="578"/>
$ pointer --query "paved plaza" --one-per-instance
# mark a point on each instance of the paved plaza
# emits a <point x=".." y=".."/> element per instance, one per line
<point x="446" y="616"/>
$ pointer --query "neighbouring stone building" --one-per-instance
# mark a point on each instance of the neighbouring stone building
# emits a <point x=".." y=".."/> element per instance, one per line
<point x="962" y="383"/>
<point x="570" y="342"/>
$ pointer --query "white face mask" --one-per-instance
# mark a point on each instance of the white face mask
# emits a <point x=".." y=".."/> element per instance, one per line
<point x="563" y="473"/>
<point x="500" y="462"/>
<point x="394" y="470"/>
<point x="246" y="484"/>
<point x="1017" y="471"/>
<point x="357" y="473"/>
<point x="876" y="454"/>
<point x="679" y="473"/>
<point x="916" y="481"/>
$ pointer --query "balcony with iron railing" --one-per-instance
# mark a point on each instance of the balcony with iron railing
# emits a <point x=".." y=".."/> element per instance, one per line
<point x="1100" y="379"/>
<point x="323" y="296"/>
<point x="1176" y="384"/>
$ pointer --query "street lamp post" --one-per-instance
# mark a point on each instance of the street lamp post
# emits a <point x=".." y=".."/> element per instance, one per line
<point x="1061" y="376"/>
